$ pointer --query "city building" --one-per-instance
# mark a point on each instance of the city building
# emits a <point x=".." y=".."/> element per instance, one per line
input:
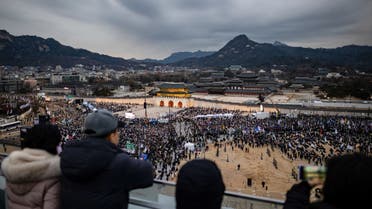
<point x="235" y="67"/>
<point x="248" y="77"/>
<point x="306" y="81"/>
<point x="251" y="85"/>
<point x="173" y="90"/>
<point x="66" y="78"/>
<point x="334" y="75"/>
<point x="11" y="86"/>
<point x="173" y="95"/>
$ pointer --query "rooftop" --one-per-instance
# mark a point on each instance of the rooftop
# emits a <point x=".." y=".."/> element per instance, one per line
<point x="172" y="85"/>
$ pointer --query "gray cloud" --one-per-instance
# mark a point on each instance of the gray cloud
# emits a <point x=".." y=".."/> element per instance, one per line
<point x="147" y="8"/>
<point x="156" y="28"/>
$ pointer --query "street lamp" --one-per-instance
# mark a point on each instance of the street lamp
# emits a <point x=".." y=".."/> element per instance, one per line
<point x="145" y="107"/>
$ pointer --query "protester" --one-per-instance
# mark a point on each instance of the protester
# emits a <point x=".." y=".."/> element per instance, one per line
<point x="96" y="173"/>
<point x="348" y="184"/>
<point x="199" y="186"/>
<point x="32" y="174"/>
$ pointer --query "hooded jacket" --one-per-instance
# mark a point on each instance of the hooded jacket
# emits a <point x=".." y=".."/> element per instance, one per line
<point x="32" y="179"/>
<point x="199" y="186"/>
<point x="96" y="174"/>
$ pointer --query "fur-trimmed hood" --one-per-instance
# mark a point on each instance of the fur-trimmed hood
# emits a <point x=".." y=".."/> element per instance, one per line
<point x="30" y="165"/>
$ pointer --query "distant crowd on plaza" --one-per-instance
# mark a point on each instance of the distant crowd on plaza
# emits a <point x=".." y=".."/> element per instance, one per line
<point x="314" y="138"/>
<point x="310" y="137"/>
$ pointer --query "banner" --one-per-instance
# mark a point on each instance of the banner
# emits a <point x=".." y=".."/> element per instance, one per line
<point x="215" y="115"/>
<point x="130" y="147"/>
<point x="144" y="156"/>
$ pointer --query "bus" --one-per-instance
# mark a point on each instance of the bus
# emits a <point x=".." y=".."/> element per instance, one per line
<point x="10" y="126"/>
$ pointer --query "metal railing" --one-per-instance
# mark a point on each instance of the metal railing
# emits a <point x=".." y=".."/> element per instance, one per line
<point x="162" y="195"/>
<point x="143" y="204"/>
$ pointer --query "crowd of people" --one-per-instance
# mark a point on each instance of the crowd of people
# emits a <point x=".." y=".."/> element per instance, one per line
<point x="95" y="173"/>
<point x="312" y="138"/>
<point x="113" y="107"/>
<point x="157" y="142"/>
<point x="14" y="104"/>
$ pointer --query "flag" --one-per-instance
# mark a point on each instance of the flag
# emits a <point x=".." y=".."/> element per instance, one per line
<point x="144" y="156"/>
<point x="129" y="147"/>
<point x="257" y="129"/>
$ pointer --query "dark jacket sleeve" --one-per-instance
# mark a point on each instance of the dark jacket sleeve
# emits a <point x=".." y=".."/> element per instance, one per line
<point x="139" y="174"/>
<point x="298" y="196"/>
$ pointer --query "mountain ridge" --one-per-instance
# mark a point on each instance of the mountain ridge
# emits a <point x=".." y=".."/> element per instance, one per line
<point x="243" y="51"/>
<point x="177" y="56"/>
<point x="29" y="50"/>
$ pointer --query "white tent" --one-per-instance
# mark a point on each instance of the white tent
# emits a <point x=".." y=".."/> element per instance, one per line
<point x="261" y="115"/>
<point x="129" y="115"/>
<point x="215" y="115"/>
<point x="163" y="120"/>
<point x="189" y="146"/>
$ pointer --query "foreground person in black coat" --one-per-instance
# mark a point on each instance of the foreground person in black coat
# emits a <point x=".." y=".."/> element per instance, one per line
<point x="348" y="185"/>
<point x="199" y="186"/>
<point x="97" y="174"/>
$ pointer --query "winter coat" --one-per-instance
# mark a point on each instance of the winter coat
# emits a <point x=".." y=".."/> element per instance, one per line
<point x="96" y="174"/>
<point x="32" y="177"/>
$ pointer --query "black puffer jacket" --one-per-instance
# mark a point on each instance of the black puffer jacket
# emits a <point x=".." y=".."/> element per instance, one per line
<point x="96" y="174"/>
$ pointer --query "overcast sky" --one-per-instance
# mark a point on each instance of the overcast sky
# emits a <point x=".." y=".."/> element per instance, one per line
<point x="156" y="28"/>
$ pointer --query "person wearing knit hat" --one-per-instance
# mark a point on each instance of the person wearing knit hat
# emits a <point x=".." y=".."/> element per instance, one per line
<point x="100" y="123"/>
<point x="199" y="186"/>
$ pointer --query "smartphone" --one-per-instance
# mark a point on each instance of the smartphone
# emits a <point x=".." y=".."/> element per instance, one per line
<point x="311" y="172"/>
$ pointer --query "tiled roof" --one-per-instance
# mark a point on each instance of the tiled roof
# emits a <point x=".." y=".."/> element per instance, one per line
<point x="172" y="85"/>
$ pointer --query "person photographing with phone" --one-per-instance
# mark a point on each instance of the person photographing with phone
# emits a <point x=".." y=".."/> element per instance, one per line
<point x="347" y="184"/>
